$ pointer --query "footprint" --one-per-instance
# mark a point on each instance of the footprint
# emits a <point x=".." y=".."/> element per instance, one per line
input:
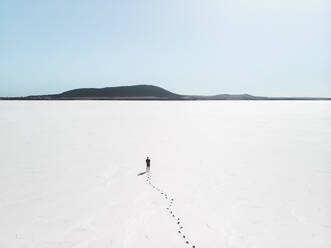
<point x="171" y="201"/>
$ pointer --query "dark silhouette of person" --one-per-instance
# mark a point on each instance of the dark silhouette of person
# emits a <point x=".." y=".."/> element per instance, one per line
<point x="148" y="164"/>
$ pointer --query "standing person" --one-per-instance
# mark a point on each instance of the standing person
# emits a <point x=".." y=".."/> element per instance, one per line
<point x="148" y="164"/>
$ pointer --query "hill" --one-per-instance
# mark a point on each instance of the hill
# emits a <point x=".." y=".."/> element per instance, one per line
<point x="140" y="91"/>
<point x="135" y="92"/>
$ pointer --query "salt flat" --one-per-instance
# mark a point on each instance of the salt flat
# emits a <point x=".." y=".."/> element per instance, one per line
<point x="241" y="173"/>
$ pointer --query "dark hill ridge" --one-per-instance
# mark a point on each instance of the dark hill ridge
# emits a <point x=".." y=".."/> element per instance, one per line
<point x="143" y="92"/>
<point x="122" y="91"/>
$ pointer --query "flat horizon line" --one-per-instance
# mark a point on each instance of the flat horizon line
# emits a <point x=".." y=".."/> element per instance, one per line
<point x="197" y="96"/>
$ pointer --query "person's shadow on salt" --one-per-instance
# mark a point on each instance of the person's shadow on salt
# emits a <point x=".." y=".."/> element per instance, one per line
<point x="141" y="173"/>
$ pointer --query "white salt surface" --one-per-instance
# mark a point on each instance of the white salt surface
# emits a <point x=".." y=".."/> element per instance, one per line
<point x="242" y="174"/>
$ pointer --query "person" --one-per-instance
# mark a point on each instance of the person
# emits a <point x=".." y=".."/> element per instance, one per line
<point x="148" y="164"/>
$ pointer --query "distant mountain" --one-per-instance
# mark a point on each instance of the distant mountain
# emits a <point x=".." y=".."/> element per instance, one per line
<point x="228" y="97"/>
<point x="144" y="92"/>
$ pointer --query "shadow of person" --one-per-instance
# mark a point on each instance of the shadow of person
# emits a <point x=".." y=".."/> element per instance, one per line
<point x="141" y="173"/>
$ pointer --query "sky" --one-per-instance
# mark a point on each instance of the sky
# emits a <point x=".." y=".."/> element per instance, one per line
<point x="259" y="47"/>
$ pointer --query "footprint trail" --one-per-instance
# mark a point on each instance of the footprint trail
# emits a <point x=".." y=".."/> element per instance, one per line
<point x="169" y="208"/>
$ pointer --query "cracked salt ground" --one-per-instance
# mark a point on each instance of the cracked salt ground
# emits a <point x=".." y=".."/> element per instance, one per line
<point x="169" y="209"/>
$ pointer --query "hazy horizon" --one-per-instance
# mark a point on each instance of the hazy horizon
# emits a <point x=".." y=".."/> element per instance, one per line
<point x="274" y="48"/>
<point x="244" y="93"/>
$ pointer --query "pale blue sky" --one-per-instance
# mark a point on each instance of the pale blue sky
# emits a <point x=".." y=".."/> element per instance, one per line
<point x="260" y="47"/>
